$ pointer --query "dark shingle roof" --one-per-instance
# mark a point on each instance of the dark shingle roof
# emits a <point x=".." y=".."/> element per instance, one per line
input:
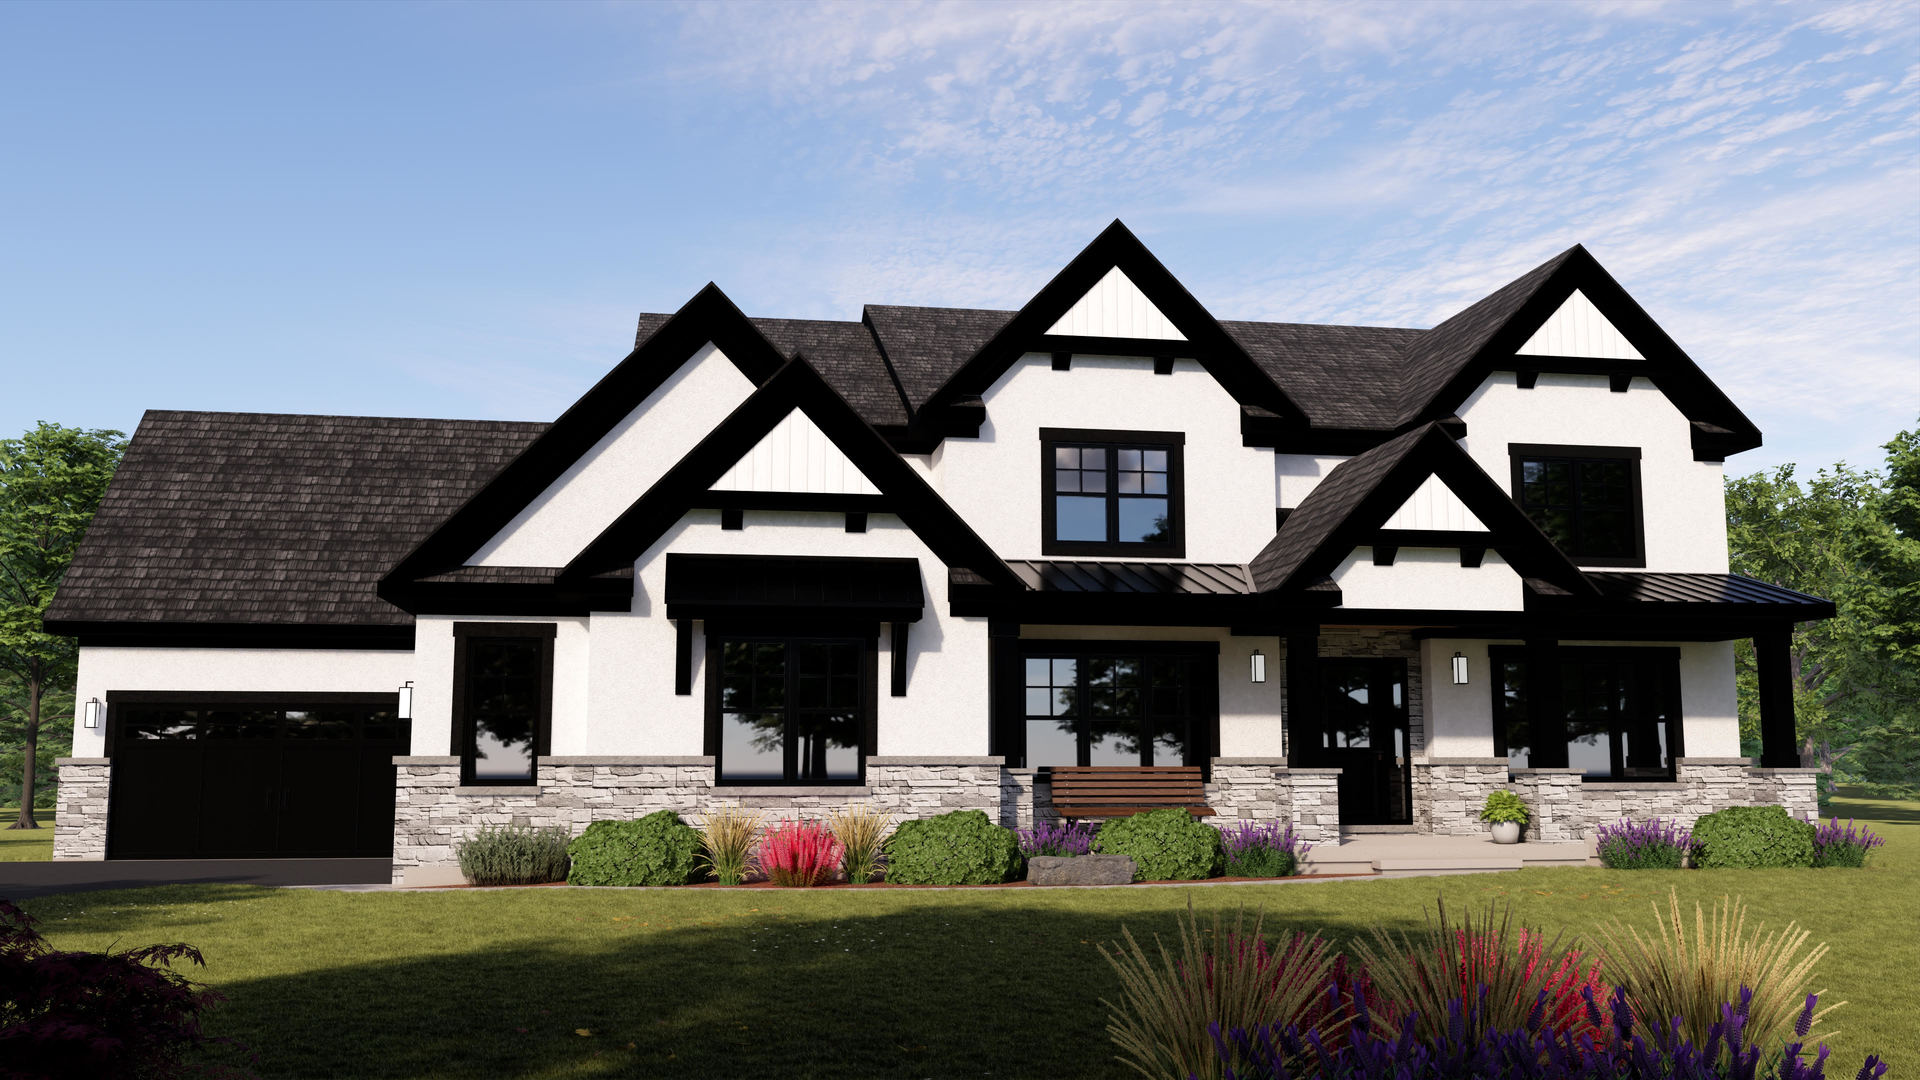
<point x="264" y="518"/>
<point x="1343" y="376"/>
<point x="1325" y="508"/>
<point x="1439" y="354"/>
<point x="925" y="346"/>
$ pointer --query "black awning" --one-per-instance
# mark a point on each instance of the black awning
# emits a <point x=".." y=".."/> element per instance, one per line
<point x="787" y="587"/>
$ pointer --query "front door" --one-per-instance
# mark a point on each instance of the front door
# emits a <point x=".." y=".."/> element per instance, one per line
<point x="1365" y="737"/>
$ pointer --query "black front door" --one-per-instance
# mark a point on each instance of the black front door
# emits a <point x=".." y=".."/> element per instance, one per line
<point x="1365" y="737"/>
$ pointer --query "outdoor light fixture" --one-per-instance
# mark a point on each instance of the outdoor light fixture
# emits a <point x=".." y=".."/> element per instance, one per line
<point x="405" y="712"/>
<point x="93" y="712"/>
<point x="1259" y="666"/>
<point x="1459" y="669"/>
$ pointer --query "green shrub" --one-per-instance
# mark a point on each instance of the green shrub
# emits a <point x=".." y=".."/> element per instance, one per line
<point x="1747" y="837"/>
<point x="1504" y="806"/>
<point x="961" y="848"/>
<point x="1165" y="845"/>
<point x="514" y="855"/>
<point x="658" y="849"/>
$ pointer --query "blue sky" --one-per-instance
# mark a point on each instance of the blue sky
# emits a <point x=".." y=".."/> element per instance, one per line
<point x="458" y="209"/>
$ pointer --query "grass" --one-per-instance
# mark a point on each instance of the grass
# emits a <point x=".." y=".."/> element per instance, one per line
<point x="831" y="983"/>
<point x="26" y="845"/>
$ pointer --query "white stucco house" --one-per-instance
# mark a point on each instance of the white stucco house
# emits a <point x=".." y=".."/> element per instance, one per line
<point x="1350" y="576"/>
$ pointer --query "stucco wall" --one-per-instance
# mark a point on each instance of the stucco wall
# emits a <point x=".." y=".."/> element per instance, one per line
<point x="1430" y="579"/>
<point x="1686" y="528"/>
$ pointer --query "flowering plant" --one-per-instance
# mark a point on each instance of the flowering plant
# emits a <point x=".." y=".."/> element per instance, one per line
<point x="1263" y="849"/>
<point x="800" y="853"/>
<point x="1657" y="844"/>
<point x="1057" y="838"/>
<point x="1834" y="846"/>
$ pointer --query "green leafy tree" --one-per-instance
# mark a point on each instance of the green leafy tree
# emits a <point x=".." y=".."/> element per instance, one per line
<point x="1850" y="536"/>
<point x="51" y="482"/>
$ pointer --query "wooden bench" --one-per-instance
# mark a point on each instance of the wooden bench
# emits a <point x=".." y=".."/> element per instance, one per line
<point x="1102" y="791"/>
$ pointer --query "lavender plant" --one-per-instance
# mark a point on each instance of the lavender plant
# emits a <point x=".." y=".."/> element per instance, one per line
<point x="1534" y="1050"/>
<point x="1656" y="844"/>
<point x="1263" y="849"/>
<point x="1057" y="838"/>
<point x="1835" y="846"/>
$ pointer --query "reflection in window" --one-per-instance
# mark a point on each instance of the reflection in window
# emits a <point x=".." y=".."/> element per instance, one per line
<point x="1586" y="506"/>
<point x="1108" y="710"/>
<point x="504" y="698"/>
<point x="791" y="710"/>
<point x="1113" y="494"/>
<point x="1619" y="708"/>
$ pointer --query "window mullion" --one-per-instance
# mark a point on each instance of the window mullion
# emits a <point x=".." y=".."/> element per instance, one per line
<point x="789" y="750"/>
<point x="1113" y="494"/>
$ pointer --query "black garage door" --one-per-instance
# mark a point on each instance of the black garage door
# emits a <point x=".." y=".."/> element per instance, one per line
<point x="252" y="776"/>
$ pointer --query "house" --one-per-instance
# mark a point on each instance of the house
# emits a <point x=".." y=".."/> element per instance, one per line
<point x="1357" y="576"/>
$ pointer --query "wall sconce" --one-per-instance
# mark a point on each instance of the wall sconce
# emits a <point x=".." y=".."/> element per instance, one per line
<point x="93" y="713"/>
<point x="1459" y="669"/>
<point x="1259" y="666"/>
<point x="405" y="711"/>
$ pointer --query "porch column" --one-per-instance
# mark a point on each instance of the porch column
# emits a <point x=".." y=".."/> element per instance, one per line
<point x="1779" y="741"/>
<point x="1546" y="716"/>
<point x="1303" y="696"/>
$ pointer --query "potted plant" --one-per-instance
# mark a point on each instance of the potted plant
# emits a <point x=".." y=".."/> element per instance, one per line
<point x="1507" y="813"/>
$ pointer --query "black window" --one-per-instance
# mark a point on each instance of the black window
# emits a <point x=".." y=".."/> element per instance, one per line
<point x="1619" y="714"/>
<point x="503" y="699"/>
<point x="1585" y="498"/>
<point x="784" y="709"/>
<point x="1154" y="707"/>
<point x="1111" y="492"/>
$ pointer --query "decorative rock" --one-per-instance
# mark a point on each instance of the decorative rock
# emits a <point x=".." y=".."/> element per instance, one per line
<point x="1080" y="869"/>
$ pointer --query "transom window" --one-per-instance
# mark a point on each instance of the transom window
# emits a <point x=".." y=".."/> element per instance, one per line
<point x="790" y="709"/>
<point x="1115" y="709"/>
<point x="1585" y="498"/>
<point x="1111" y="492"/>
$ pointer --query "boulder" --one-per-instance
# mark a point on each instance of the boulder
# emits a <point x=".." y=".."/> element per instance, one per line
<point x="1080" y="869"/>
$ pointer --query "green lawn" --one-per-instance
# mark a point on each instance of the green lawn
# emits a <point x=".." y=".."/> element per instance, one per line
<point x="25" y="845"/>
<point x="696" y="983"/>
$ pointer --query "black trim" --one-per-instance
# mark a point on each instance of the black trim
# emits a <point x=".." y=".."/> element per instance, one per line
<point x="1773" y="673"/>
<point x="1098" y="345"/>
<point x="1173" y="442"/>
<point x="897" y="656"/>
<point x="856" y="521"/>
<point x="1385" y="554"/>
<point x="1526" y="378"/>
<point x="804" y="501"/>
<point x="1619" y="381"/>
<point x="1303" y="710"/>
<point x="1207" y="340"/>
<point x="1009" y="675"/>
<point x="682" y="657"/>
<point x="173" y="635"/>
<point x="795" y="587"/>
<point x="1433" y="538"/>
<point x="1163" y="365"/>
<point x="1472" y="555"/>
<point x="1063" y="361"/>
<point x="733" y="520"/>
<point x="1520" y="453"/>
<point x="464" y="734"/>
<point x="1260" y="428"/>
<point x="795" y="386"/>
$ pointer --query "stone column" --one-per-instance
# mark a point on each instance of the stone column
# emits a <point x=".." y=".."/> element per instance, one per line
<point x="1456" y="790"/>
<point x="80" y="808"/>
<point x="1554" y="798"/>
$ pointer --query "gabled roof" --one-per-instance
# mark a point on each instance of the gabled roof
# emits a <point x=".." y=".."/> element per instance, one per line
<point x="1347" y="509"/>
<point x="1029" y="329"/>
<point x="1447" y="363"/>
<point x="708" y="317"/>
<point x="796" y="385"/>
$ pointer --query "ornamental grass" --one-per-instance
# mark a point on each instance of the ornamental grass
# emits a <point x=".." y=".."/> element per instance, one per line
<point x="861" y="830"/>
<point x="800" y="854"/>
<point x="727" y="843"/>
<point x="1688" y="973"/>
<point x="1217" y="975"/>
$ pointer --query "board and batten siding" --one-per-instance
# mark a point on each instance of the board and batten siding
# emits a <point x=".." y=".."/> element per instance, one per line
<point x="1434" y="507"/>
<point x="1116" y="308"/>
<point x="796" y="456"/>
<point x="1578" y="329"/>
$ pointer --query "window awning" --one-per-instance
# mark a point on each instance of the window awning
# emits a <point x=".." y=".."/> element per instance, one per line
<point x="784" y="586"/>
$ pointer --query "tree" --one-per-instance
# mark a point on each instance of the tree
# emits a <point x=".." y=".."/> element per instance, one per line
<point x="1854" y="538"/>
<point x="51" y="482"/>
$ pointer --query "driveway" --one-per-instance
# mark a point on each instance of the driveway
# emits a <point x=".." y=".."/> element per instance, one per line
<point x="24" y="880"/>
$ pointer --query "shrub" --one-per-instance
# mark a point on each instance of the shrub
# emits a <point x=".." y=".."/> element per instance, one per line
<point x="1219" y="974"/>
<point x="658" y="849"/>
<point x="861" y="830"/>
<point x="1504" y="805"/>
<point x="1684" y="976"/>
<point x="1745" y="837"/>
<point x="1511" y="974"/>
<point x="1063" y="838"/>
<point x="1262" y="849"/>
<point x="119" y="1014"/>
<point x="961" y="848"/>
<point x="1165" y="845"/>
<point x="800" y="854"/>
<point x="1834" y="846"/>
<point x="1643" y="845"/>
<point x="727" y="847"/>
<point x="514" y="855"/>
<point x="1532" y="1050"/>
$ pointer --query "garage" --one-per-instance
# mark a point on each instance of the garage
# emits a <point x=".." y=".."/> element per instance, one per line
<point x="233" y="776"/>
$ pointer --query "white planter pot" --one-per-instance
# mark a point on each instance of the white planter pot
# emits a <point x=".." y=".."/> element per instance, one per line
<point x="1506" y="832"/>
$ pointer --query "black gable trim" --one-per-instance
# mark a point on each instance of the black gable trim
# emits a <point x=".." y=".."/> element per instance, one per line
<point x="795" y="386"/>
<point x="708" y="317"/>
<point x="1207" y="341"/>
<point x="1666" y="364"/>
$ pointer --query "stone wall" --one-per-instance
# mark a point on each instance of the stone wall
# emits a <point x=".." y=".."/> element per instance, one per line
<point x="1266" y="789"/>
<point x="1448" y="793"/>
<point x="1556" y="801"/>
<point x="80" y="808"/>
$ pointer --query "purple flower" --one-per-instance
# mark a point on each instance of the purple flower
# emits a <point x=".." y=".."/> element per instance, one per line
<point x="1057" y="838"/>
<point x="1837" y="846"/>
<point x="1655" y="844"/>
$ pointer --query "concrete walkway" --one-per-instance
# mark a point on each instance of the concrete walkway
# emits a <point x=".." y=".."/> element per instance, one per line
<point x="24" y="880"/>
<point x="1422" y="855"/>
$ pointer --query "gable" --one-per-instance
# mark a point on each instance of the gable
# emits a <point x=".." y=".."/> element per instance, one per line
<point x="1433" y="507"/>
<point x="796" y="456"/>
<point x="1116" y="308"/>
<point x="1577" y="328"/>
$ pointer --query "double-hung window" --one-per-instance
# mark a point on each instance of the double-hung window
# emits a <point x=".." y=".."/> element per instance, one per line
<point x="1585" y="498"/>
<point x="1111" y="493"/>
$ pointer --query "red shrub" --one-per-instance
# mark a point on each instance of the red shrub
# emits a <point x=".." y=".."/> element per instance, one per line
<point x="801" y="853"/>
<point x="1564" y="1011"/>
